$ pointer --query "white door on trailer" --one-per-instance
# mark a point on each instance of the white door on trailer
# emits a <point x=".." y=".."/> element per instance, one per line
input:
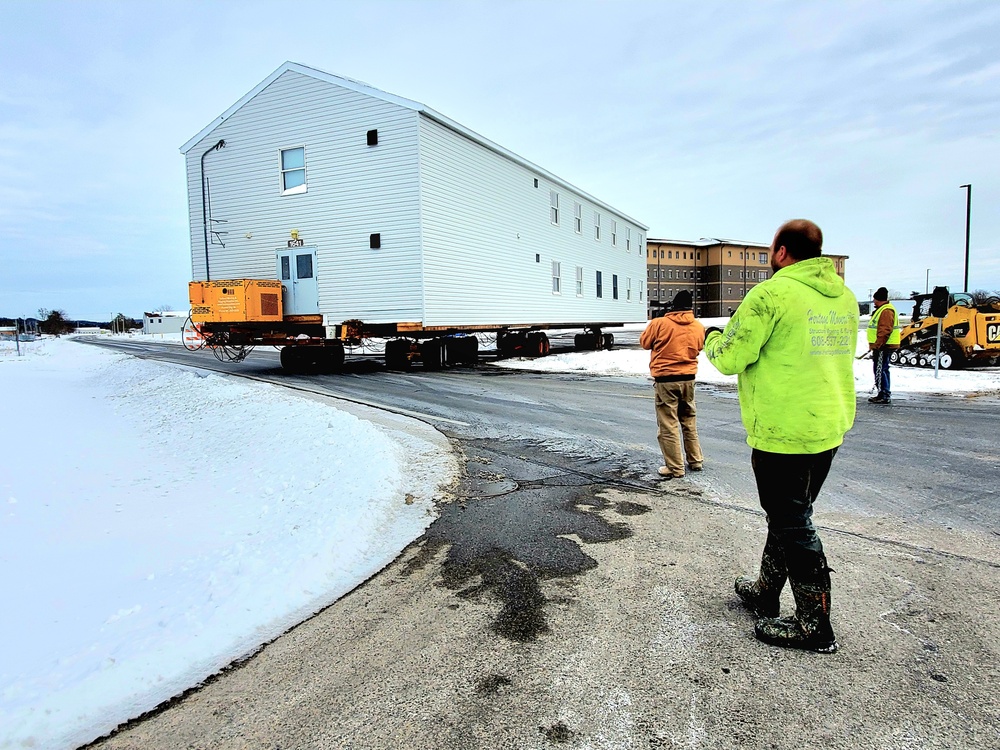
<point x="297" y="271"/>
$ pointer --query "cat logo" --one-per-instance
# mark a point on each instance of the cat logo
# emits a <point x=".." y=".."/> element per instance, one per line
<point x="993" y="333"/>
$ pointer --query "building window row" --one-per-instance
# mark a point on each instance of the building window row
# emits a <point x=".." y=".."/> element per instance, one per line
<point x="599" y="283"/>
<point x="554" y="219"/>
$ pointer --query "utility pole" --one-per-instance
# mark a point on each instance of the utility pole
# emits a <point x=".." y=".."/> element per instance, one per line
<point x="927" y="281"/>
<point x="968" y="221"/>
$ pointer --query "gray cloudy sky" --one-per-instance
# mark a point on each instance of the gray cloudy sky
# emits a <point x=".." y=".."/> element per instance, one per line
<point x="701" y="119"/>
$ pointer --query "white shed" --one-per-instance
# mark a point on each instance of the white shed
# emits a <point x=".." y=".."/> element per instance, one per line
<point x="165" y="321"/>
<point x="371" y="207"/>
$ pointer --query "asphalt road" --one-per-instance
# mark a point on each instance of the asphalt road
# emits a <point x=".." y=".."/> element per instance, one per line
<point x="568" y="598"/>
<point x="923" y="459"/>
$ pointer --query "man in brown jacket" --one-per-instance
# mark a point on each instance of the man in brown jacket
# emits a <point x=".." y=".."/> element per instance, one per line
<point x="674" y="341"/>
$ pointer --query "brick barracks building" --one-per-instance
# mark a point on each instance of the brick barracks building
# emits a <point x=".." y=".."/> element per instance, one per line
<point x="718" y="273"/>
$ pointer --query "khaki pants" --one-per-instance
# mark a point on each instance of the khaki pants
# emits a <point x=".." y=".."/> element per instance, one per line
<point x="675" y="413"/>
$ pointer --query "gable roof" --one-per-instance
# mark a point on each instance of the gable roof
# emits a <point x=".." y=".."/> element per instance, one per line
<point x="363" y="88"/>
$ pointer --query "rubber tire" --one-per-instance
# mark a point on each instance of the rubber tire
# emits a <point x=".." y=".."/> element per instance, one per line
<point x="509" y="342"/>
<point x="330" y="358"/>
<point x="537" y="344"/>
<point x="951" y="354"/>
<point x="397" y="355"/>
<point x="433" y="354"/>
<point x="609" y="341"/>
<point x="292" y="360"/>
<point x="463" y="350"/>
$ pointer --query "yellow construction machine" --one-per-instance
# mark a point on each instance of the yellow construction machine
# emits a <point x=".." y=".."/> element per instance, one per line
<point x="970" y="333"/>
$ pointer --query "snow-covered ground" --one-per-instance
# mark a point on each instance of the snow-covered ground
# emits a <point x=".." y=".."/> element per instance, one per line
<point x="157" y="523"/>
<point x="635" y="362"/>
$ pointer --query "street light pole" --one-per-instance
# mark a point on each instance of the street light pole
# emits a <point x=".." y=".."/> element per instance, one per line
<point x="927" y="281"/>
<point x="968" y="220"/>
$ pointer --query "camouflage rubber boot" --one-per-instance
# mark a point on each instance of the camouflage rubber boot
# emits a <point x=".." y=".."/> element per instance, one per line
<point x="763" y="595"/>
<point x="810" y="629"/>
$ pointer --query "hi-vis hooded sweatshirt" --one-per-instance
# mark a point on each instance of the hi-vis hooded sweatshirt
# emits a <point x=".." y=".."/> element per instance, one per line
<point x="791" y="343"/>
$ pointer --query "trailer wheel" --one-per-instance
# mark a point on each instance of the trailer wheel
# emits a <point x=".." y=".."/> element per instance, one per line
<point x="397" y="355"/>
<point x="330" y="359"/>
<point x="508" y="342"/>
<point x="463" y="350"/>
<point x="292" y="361"/>
<point x="537" y="344"/>
<point x="895" y="357"/>
<point x="609" y="341"/>
<point x="433" y="354"/>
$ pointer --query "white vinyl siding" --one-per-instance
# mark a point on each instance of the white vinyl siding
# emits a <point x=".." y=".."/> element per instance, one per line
<point x="355" y="190"/>
<point x="483" y="224"/>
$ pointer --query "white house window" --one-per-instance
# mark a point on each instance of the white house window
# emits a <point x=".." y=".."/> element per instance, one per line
<point x="600" y="285"/>
<point x="293" y="170"/>
<point x="614" y="286"/>
<point x="597" y="226"/>
<point x="628" y="239"/>
<point x="578" y="218"/>
<point x="556" y="280"/>
<point x="554" y="206"/>
<point x="579" y="281"/>
<point x="614" y="233"/>
<point x="628" y="288"/>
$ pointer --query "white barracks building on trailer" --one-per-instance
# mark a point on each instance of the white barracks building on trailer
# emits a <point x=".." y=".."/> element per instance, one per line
<point x="373" y="208"/>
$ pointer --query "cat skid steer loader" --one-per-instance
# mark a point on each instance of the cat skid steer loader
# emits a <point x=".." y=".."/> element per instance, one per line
<point x="970" y="334"/>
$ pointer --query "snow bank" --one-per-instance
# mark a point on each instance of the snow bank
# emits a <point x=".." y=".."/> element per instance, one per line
<point x="158" y="523"/>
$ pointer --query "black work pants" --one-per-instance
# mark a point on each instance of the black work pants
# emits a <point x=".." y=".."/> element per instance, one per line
<point x="788" y="485"/>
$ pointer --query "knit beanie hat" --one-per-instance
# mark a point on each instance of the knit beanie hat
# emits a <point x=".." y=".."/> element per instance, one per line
<point x="682" y="301"/>
<point x="881" y="294"/>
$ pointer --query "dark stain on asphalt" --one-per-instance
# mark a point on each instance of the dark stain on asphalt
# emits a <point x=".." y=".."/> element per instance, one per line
<point x="491" y="684"/>
<point x="505" y="546"/>
<point x="628" y="508"/>
<point x="558" y="732"/>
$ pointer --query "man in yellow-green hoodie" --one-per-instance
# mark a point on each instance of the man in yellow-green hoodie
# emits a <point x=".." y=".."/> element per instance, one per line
<point x="791" y="343"/>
